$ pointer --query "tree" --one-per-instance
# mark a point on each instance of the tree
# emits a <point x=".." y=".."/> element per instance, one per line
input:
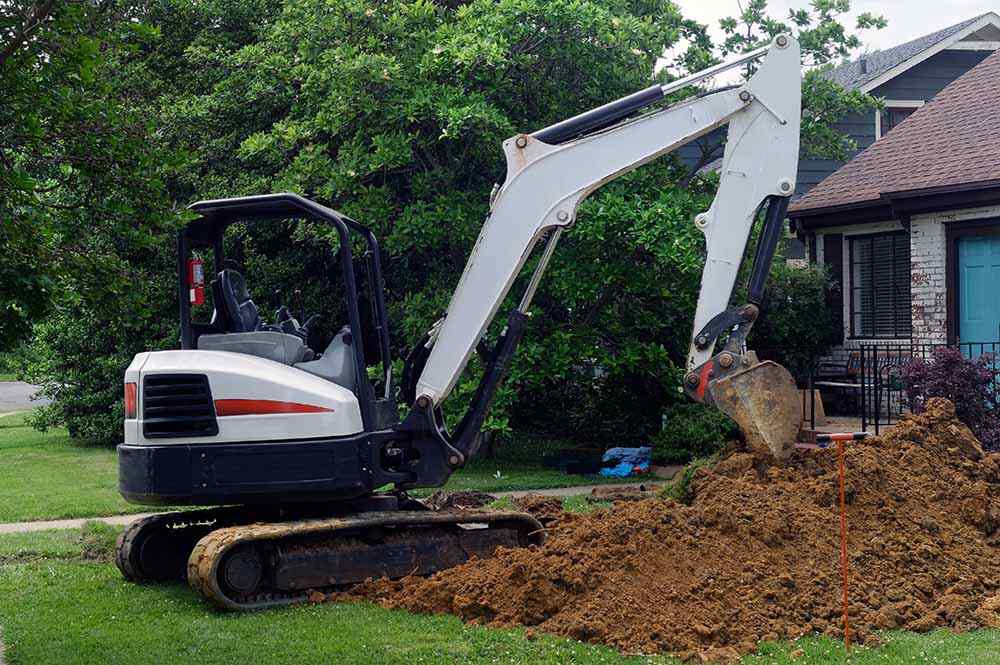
<point x="394" y="113"/>
<point x="823" y="38"/>
<point x="78" y="173"/>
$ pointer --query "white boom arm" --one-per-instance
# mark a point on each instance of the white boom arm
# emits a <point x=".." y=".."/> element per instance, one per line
<point x="546" y="183"/>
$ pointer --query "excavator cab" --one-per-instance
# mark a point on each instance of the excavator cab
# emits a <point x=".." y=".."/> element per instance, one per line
<point x="237" y="324"/>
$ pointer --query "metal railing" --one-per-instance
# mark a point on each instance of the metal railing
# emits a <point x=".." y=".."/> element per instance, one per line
<point x="873" y="381"/>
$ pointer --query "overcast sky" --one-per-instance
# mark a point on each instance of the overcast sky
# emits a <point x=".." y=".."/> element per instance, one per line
<point x="907" y="18"/>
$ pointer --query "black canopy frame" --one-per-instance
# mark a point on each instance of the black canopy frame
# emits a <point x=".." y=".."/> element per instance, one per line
<point x="208" y="230"/>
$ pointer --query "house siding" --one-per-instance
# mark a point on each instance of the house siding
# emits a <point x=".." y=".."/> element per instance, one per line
<point x="860" y="128"/>
<point x="927" y="79"/>
<point x="691" y="153"/>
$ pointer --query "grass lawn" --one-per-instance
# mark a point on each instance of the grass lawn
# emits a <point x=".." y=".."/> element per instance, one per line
<point x="50" y="476"/>
<point x="7" y="377"/>
<point x="56" y="606"/>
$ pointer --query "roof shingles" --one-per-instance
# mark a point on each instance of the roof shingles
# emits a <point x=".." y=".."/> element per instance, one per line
<point x="853" y="75"/>
<point x="953" y="140"/>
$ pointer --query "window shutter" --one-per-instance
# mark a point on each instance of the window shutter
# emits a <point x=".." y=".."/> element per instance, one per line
<point x="880" y="285"/>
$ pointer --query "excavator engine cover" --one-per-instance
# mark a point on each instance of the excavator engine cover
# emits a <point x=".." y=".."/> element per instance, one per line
<point x="764" y="402"/>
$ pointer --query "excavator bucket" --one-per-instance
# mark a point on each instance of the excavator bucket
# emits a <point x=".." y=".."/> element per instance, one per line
<point x="764" y="402"/>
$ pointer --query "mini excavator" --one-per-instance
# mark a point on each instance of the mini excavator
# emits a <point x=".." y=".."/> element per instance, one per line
<point x="289" y="448"/>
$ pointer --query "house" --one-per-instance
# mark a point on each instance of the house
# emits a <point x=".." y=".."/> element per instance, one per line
<point x="911" y="226"/>
<point x="905" y="77"/>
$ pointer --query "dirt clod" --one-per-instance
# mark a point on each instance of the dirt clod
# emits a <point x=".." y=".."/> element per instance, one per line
<point x="755" y="555"/>
<point x="546" y="509"/>
<point x="461" y="500"/>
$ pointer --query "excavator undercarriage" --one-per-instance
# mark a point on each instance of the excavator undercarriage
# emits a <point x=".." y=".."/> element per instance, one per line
<point x="247" y="559"/>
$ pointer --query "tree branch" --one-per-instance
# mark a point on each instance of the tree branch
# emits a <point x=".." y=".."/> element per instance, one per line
<point x="42" y="11"/>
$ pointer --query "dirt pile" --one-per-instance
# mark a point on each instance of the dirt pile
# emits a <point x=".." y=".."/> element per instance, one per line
<point x="756" y="554"/>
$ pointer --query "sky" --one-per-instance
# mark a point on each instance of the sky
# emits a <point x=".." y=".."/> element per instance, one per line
<point x="907" y="18"/>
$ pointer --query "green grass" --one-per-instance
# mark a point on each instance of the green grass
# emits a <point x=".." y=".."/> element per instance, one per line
<point x="50" y="476"/>
<point x="7" y="376"/>
<point x="56" y="606"/>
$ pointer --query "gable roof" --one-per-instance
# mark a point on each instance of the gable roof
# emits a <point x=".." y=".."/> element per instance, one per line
<point x="876" y="68"/>
<point x="951" y="142"/>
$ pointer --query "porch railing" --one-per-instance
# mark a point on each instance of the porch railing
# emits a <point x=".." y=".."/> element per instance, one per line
<point x="875" y="381"/>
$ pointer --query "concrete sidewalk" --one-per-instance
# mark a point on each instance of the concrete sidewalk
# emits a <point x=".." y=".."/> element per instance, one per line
<point x="125" y="520"/>
<point x="16" y="396"/>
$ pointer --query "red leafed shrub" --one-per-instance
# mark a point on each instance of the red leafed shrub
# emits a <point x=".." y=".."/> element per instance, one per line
<point x="970" y="383"/>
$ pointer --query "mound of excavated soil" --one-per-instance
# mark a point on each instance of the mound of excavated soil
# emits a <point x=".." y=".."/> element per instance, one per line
<point x="756" y="554"/>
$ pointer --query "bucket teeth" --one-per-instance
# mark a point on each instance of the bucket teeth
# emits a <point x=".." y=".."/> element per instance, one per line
<point x="764" y="402"/>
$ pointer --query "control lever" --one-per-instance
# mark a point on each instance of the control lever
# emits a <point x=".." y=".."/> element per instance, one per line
<point x="281" y="315"/>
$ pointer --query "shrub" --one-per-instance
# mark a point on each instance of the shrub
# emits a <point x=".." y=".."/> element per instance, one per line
<point x="797" y="326"/>
<point x="690" y="431"/>
<point x="681" y="488"/>
<point x="78" y="354"/>
<point x="970" y="384"/>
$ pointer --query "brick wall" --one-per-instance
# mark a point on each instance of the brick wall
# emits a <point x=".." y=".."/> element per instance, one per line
<point x="927" y="274"/>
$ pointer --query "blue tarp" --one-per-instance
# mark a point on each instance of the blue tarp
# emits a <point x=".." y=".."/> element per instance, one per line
<point x="623" y="462"/>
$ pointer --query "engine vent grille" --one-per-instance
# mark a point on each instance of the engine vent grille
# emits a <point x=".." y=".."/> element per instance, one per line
<point x="177" y="405"/>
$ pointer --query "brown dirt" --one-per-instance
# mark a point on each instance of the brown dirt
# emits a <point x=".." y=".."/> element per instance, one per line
<point x="546" y="509"/>
<point x="756" y="554"/>
<point x="459" y="500"/>
<point x="632" y="493"/>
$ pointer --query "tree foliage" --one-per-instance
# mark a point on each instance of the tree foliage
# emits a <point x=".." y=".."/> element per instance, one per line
<point x="971" y="384"/>
<point x="798" y="326"/>
<point x="391" y="111"/>
<point x="824" y="39"/>
<point x="79" y="176"/>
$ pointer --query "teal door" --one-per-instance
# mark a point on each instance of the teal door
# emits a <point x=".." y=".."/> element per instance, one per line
<point x="979" y="288"/>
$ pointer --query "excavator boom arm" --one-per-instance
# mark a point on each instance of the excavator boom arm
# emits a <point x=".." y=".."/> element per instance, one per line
<point x="545" y="184"/>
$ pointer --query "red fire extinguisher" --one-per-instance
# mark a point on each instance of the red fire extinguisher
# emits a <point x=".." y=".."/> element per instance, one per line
<point x="196" y="281"/>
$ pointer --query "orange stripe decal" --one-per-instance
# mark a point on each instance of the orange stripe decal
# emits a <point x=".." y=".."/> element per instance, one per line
<point x="259" y="407"/>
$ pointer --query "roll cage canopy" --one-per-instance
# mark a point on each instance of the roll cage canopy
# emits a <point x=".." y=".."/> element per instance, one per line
<point x="208" y="231"/>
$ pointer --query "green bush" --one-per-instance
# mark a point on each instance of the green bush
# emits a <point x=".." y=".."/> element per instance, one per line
<point x="797" y="325"/>
<point x="681" y="489"/>
<point x="691" y="431"/>
<point x="79" y="352"/>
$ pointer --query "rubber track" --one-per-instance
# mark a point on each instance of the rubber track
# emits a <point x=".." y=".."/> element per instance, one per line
<point x="127" y="539"/>
<point x="204" y="561"/>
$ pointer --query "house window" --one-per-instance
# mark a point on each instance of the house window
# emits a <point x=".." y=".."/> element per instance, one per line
<point x="880" y="285"/>
<point x="892" y="117"/>
<point x="893" y="113"/>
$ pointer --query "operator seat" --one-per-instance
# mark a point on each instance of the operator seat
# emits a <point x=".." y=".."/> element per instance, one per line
<point x="238" y="312"/>
<point x="243" y="329"/>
